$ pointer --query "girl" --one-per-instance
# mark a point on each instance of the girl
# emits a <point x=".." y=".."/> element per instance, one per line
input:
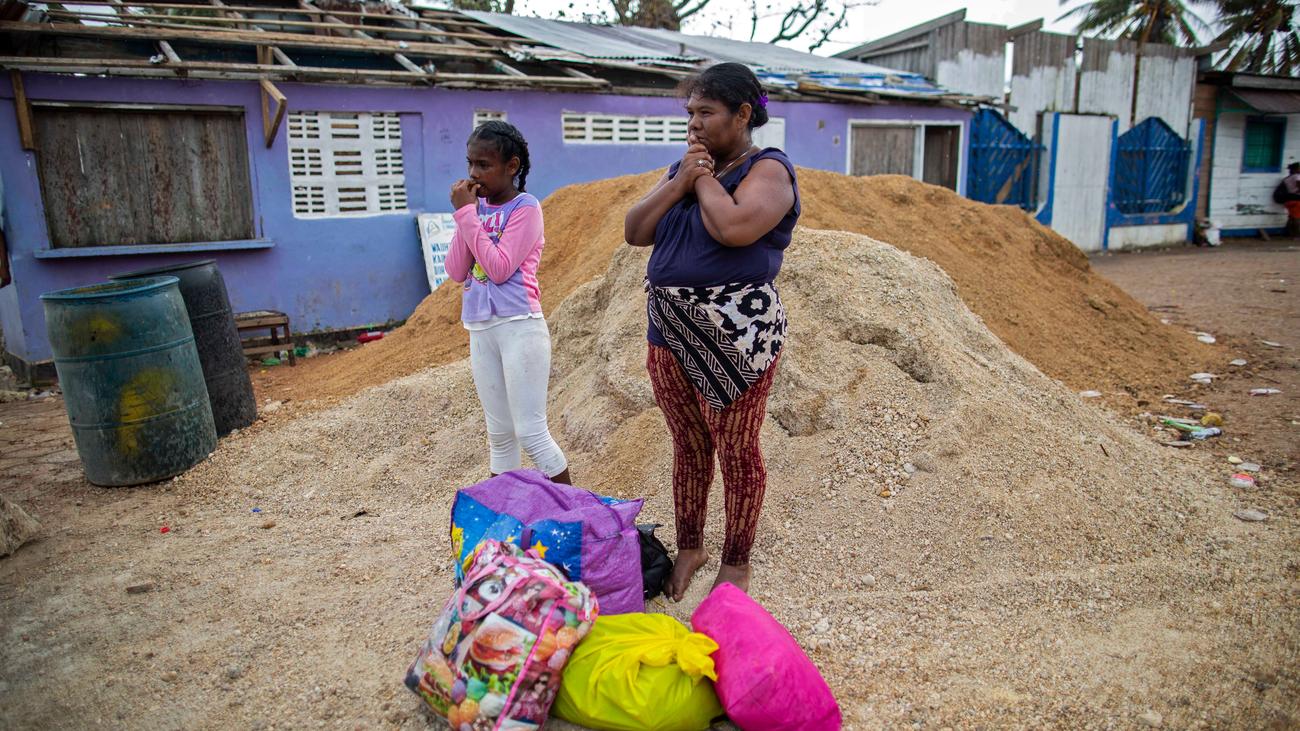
<point x="495" y="251"/>
<point x="719" y="221"/>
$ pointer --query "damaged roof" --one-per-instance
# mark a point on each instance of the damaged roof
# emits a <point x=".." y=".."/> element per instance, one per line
<point x="386" y="42"/>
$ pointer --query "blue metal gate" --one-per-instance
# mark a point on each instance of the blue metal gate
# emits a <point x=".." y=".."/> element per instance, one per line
<point x="1003" y="166"/>
<point x="1150" y="173"/>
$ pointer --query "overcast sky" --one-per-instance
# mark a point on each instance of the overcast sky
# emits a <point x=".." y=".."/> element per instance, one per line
<point x="865" y="23"/>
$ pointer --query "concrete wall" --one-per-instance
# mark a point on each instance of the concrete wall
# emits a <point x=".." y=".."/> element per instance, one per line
<point x="1141" y="237"/>
<point x="338" y="273"/>
<point x="1077" y="193"/>
<point x="1243" y="202"/>
<point x="1081" y="179"/>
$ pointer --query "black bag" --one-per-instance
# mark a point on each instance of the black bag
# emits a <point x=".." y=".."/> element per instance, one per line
<point x="656" y="566"/>
<point x="1281" y="194"/>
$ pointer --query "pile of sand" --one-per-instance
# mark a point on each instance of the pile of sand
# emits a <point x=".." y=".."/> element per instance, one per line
<point x="1032" y="287"/>
<point x="1037" y="564"/>
<point x="584" y="224"/>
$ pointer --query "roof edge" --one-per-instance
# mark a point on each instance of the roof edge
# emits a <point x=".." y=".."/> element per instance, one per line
<point x="905" y="35"/>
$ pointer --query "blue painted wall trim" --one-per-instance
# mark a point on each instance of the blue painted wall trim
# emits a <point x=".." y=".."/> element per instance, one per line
<point x="1250" y="233"/>
<point x="1110" y="189"/>
<point x="83" y="251"/>
<point x="1044" y="215"/>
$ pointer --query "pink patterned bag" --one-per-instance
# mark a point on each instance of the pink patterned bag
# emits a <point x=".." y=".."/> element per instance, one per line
<point x="496" y="653"/>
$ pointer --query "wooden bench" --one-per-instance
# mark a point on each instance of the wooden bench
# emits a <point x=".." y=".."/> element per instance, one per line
<point x="271" y="320"/>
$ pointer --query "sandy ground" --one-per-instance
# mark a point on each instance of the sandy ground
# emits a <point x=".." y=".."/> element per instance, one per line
<point x="1245" y="293"/>
<point x="234" y="633"/>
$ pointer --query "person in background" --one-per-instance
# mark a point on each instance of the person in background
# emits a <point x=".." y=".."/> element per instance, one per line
<point x="495" y="253"/>
<point x="719" y="220"/>
<point x="1292" y="204"/>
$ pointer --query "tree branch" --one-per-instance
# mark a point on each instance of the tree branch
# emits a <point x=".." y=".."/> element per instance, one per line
<point x="800" y="12"/>
<point x="828" y="30"/>
<point x="683" y="12"/>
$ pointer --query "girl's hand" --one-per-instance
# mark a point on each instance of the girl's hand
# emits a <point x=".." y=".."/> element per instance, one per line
<point x="695" y="164"/>
<point x="464" y="193"/>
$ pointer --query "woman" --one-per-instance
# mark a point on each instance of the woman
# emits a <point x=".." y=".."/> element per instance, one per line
<point x="719" y="221"/>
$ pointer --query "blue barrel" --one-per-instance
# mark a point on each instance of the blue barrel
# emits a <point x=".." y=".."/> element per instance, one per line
<point x="225" y="369"/>
<point x="131" y="379"/>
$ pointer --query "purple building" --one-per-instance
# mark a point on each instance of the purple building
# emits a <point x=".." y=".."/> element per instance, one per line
<point x="300" y="161"/>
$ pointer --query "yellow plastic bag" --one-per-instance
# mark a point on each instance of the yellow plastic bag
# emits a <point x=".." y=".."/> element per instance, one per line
<point x="640" y="672"/>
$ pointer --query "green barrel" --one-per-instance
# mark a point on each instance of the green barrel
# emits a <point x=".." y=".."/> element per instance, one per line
<point x="225" y="369"/>
<point x="131" y="379"/>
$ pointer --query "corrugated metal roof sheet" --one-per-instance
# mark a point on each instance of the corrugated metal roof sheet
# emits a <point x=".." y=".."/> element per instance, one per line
<point x="592" y="41"/>
<point x="602" y="41"/>
<point x="758" y="55"/>
<point x="775" y="65"/>
<point x="1270" y="102"/>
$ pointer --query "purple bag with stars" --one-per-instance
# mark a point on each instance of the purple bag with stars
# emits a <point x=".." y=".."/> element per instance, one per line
<point x="589" y="537"/>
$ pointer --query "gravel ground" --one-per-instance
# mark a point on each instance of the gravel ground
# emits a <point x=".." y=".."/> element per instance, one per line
<point x="1038" y="562"/>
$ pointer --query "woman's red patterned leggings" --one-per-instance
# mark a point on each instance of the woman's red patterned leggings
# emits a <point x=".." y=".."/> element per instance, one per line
<point x="698" y="430"/>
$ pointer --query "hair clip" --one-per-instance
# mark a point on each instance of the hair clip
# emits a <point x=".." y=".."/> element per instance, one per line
<point x="762" y="99"/>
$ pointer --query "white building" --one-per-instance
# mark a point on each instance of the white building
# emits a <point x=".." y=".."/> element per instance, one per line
<point x="1252" y="124"/>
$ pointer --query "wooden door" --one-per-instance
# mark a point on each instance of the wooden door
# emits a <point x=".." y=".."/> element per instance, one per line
<point x="883" y="150"/>
<point x="942" y="152"/>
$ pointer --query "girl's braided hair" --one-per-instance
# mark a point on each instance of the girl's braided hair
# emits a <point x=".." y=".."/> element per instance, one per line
<point x="508" y="143"/>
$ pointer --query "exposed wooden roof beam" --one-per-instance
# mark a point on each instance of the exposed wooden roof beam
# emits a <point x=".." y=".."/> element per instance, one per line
<point x="509" y="80"/>
<point x="244" y="38"/>
<point x="240" y="19"/>
<point x="408" y="64"/>
<point x="576" y="73"/>
<point x="256" y="71"/>
<point x="26" y="131"/>
<point x="169" y="52"/>
<point x="462" y="21"/>
<point x="401" y="59"/>
<point x="232" y="13"/>
<point x="171" y="58"/>
<point x="281" y="57"/>
<point x="506" y="68"/>
<point x="271" y="95"/>
<point x="242" y="70"/>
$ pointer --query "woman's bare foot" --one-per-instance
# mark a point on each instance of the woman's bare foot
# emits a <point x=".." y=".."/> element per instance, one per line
<point x="689" y="561"/>
<point x="563" y="478"/>
<point x="734" y="574"/>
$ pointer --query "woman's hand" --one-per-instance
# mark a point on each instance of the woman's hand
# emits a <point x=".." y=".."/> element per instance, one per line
<point x="464" y="193"/>
<point x="642" y="219"/>
<point x="696" y="163"/>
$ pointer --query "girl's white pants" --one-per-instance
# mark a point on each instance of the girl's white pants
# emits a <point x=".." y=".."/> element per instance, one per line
<point x="511" y="363"/>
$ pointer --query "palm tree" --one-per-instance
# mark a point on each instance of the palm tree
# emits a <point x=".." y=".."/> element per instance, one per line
<point x="1262" y="34"/>
<point x="1144" y="21"/>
